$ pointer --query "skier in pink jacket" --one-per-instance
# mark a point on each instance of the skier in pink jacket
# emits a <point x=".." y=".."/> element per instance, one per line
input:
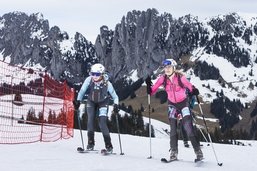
<point x="176" y="85"/>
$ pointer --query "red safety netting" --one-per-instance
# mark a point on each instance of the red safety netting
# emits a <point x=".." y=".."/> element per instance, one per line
<point x="33" y="106"/>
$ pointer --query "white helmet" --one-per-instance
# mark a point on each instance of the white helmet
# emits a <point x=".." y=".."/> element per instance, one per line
<point x="97" y="68"/>
<point x="171" y="62"/>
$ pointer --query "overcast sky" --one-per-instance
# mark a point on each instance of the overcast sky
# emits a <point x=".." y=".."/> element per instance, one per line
<point x="87" y="16"/>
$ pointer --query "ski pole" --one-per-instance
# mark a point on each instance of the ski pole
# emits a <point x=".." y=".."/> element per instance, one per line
<point x="148" y="90"/>
<point x="189" y="102"/>
<point x="201" y="132"/>
<point x="203" y="136"/>
<point x="219" y="164"/>
<point x="118" y="128"/>
<point x="82" y="141"/>
<point x="150" y="127"/>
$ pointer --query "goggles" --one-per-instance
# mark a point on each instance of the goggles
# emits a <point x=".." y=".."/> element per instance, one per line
<point x="166" y="62"/>
<point x="97" y="74"/>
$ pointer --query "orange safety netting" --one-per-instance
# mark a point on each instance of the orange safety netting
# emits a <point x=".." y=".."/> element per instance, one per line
<point x="33" y="106"/>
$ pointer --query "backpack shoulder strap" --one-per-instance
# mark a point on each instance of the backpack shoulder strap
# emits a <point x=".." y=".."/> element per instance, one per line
<point x="164" y="81"/>
<point x="179" y="75"/>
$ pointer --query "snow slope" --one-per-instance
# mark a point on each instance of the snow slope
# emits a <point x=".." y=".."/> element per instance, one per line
<point x="62" y="156"/>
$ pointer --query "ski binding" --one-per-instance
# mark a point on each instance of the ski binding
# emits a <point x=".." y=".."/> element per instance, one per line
<point x="105" y="152"/>
<point x="81" y="150"/>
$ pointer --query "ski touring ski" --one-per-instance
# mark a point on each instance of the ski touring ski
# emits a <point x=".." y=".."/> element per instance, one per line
<point x="198" y="162"/>
<point x="164" y="160"/>
<point x="81" y="150"/>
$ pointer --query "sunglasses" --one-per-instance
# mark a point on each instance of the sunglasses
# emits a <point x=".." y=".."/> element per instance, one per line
<point x="97" y="74"/>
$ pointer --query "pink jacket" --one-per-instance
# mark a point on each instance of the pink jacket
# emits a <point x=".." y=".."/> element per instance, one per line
<point x="175" y="93"/>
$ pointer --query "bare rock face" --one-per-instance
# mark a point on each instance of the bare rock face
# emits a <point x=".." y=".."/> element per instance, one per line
<point x="143" y="39"/>
<point x="138" y="43"/>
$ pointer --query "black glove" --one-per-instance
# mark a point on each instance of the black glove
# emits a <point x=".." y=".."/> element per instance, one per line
<point x="195" y="91"/>
<point x="76" y="104"/>
<point x="115" y="108"/>
<point x="148" y="85"/>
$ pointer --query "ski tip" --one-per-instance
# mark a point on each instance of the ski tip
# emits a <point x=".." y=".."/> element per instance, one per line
<point x="103" y="151"/>
<point x="164" y="160"/>
<point x="220" y="164"/>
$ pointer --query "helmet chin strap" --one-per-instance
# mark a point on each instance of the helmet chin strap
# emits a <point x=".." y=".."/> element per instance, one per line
<point x="171" y="74"/>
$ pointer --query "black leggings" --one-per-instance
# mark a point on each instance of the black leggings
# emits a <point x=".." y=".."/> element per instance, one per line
<point x="92" y="112"/>
<point x="187" y="124"/>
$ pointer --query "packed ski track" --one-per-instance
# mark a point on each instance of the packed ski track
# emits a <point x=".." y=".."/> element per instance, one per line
<point x="62" y="155"/>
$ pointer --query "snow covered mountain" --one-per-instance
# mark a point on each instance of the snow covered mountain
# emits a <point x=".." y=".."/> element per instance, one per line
<point x="219" y="52"/>
<point x="139" y="43"/>
<point x="28" y="40"/>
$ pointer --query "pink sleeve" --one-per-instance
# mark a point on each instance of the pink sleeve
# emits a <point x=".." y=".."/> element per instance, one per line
<point x="186" y="83"/>
<point x="158" y="83"/>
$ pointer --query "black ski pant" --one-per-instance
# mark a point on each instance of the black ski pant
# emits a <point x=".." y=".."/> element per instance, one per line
<point x="188" y="126"/>
<point x="100" y="109"/>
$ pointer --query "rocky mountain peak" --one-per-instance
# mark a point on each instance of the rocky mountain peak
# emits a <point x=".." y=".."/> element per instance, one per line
<point x="135" y="47"/>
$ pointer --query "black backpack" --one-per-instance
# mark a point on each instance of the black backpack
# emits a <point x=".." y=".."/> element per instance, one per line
<point x="97" y="95"/>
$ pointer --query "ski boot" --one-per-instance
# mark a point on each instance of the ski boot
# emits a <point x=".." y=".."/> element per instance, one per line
<point x="186" y="144"/>
<point x="108" y="144"/>
<point x="90" y="145"/>
<point x="199" y="155"/>
<point x="109" y="148"/>
<point x="173" y="154"/>
<point x="91" y="141"/>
